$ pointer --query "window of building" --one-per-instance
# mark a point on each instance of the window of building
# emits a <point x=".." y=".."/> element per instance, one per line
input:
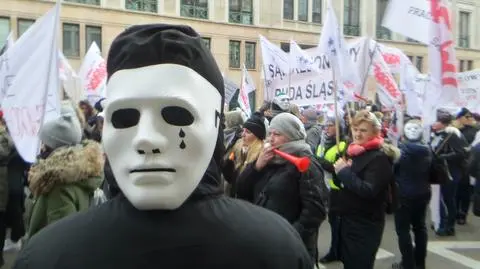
<point x="303" y="10"/>
<point x="234" y="52"/>
<point x="71" y="40"/>
<point x="23" y="25"/>
<point x="419" y="63"/>
<point x="317" y="11"/>
<point x="410" y="57"/>
<point x="465" y="65"/>
<point x="288" y="9"/>
<point x="241" y="11"/>
<point x="142" y="5"/>
<point x="382" y="32"/>
<point x="4" y="30"/>
<point x="93" y="33"/>
<point x="194" y="9"/>
<point x="351" y="18"/>
<point x="207" y="42"/>
<point x="464" y="30"/>
<point x="88" y="2"/>
<point x="250" y="55"/>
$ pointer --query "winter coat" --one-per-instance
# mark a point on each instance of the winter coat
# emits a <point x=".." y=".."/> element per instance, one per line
<point x="6" y="147"/>
<point x="475" y="172"/>
<point x="208" y="231"/>
<point x="64" y="183"/>
<point x="469" y="133"/>
<point x="281" y="188"/>
<point x="454" y="151"/>
<point x="412" y="171"/>
<point x="365" y="185"/>
<point x="314" y="135"/>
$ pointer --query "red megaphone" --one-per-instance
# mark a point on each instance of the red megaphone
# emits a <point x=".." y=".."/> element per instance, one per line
<point x="302" y="163"/>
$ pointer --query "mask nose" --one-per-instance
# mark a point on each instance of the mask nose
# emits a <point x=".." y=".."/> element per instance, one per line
<point x="148" y="139"/>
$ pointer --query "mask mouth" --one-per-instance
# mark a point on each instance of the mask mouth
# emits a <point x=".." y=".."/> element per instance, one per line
<point x="143" y="170"/>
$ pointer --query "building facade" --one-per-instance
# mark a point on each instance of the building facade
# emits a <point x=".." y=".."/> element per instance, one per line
<point x="230" y="28"/>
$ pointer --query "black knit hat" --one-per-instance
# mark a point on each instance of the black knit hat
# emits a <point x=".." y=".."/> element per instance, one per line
<point x="463" y="112"/>
<point x="152" y="44"/>
<point x="256" y="125"/>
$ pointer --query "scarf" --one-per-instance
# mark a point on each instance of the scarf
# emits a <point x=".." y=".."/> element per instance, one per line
<point x="294" y="148"/>
<point x="357" y="150"/>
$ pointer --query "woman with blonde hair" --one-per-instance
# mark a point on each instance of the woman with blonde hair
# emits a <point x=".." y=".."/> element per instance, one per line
<point x="246" y="150"/>
<point x="366" y="182"/>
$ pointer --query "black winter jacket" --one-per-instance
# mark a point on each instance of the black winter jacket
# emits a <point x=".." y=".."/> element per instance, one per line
<point x="365" y="186"/>
<point x="281" y="188"/>
<point x="412" y="171"/>
<point x="208" y="231"/>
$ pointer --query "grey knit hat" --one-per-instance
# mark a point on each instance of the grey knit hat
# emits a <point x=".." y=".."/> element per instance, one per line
<point x="63" y="131"/>
<point x="289" y="126"/>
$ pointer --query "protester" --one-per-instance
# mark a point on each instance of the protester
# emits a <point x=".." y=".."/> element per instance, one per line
<point x="450" y="146"/>
<point x="328" y="152"/>
<point x="245" y="151"/>
<point x="6" y="147"/>
<point x="312" y="127"/>
<point x="364" y="187"/>
<point x="63" y="182"/>
<point x="276" y="184"/>
<point x="412" y="173"/>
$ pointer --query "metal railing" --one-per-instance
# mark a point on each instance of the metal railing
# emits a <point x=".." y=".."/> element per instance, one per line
<point x="241" y="17"/>
<point x="194" y="11"/>
<point x="88" y="2"/>
<point x="464" y="41"/>
<point x="383" y="33"/>
<point x="352" y="30"/>
<point x="142" y="5"/>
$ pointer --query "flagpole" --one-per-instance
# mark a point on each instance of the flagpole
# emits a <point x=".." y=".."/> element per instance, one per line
<point x="337" y="120"/>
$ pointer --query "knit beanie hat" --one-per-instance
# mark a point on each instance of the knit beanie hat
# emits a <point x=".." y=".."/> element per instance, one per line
<point x="444" y="117"/>
<point x="256" y="125"/>
<point x="153" y="44"/>
<point x="463" y="112"/>
<point x="289" y="126"/>
<point x="310" y="115"/>
<point x="100" y="104"/>
<point x="63" y="131"/>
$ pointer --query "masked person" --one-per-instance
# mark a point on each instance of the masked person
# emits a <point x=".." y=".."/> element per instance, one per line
<point x="412" y="173"/>
<point x="163" y="138"/>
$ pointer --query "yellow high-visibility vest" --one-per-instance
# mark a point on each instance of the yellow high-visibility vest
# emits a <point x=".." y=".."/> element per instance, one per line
<point x="331" y="157"/>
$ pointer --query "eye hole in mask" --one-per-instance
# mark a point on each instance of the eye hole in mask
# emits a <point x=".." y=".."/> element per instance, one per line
<point x="125" y="118"/>
<point x="177" y="116"/>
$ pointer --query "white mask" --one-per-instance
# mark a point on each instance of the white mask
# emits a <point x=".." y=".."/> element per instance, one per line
<point x="162" y="116"/>
<point x="283" y="102"/>
<point x="413" y="131"/>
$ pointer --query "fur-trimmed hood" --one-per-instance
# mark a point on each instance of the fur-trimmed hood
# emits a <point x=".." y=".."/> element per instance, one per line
<point x="453" y="130"/>
<point x="391" y="151"/>
<point x="81" y="164"/>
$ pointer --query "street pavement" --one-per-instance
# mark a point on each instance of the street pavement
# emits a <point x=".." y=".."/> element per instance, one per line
<point x="461" y="251"/>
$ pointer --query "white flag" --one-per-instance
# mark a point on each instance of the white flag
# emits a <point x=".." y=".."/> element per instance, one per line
<point x="334" y="44"/>
<point x="29" y="76"/>
<point x="441" y="54"/>
<point x="93" y="74"/>
<point x="245" y="88"/>
<point x="408" y="17"/>
<point x="8" y="43"/>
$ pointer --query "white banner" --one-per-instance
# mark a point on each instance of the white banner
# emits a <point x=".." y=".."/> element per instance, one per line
<point x="29" y="76"/>
<point x="409" y="17"/>
<point x="305" y="86"/>
<point x="469" y="90"/>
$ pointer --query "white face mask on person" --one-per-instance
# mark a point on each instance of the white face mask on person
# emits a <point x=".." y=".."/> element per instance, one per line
<point x="413" y="131"/>
<point x="160" y="137"/>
